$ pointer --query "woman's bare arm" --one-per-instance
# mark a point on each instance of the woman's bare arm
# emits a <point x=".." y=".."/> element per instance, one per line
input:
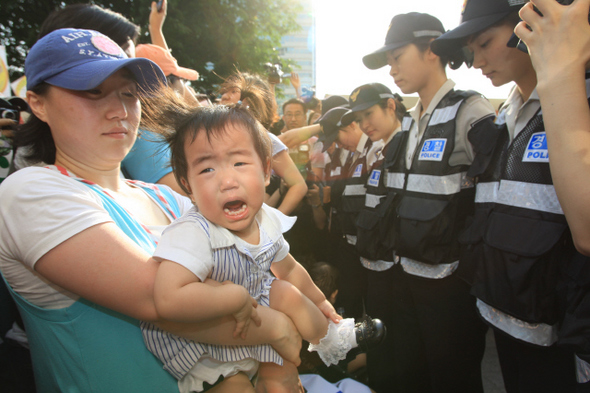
<point x="286" y="169"/>
<point x="102" y="265"/>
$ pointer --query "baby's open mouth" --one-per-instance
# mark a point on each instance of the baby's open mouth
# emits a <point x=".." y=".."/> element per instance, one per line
<point x="234" y="208"/>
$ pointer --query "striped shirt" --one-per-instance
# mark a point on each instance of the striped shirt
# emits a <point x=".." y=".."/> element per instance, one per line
<point x="210" y="251"/>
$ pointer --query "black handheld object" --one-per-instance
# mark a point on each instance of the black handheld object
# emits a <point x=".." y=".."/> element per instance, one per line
<point x="515" y="42"/>
<point x="159" y="5"/>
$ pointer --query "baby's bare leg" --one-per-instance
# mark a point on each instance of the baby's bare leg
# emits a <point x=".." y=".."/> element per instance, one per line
<point x="238" y="383"/>
<point x="311" y="323"/>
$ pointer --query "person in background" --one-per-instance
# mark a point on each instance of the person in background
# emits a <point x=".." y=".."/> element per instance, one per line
<point x="378" y="113"/>
<point x="444" y="339"/>
<point x="518" y="250"/>
<point x="149" y="160"/>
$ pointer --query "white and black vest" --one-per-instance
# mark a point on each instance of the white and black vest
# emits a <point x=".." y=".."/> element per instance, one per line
<point x="435" y="197"/>
<point x="519" y="237"/>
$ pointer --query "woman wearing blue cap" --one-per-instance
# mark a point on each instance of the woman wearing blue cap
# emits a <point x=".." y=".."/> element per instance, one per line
<point x="76" y="238"/>
<point x="519" y="254"/>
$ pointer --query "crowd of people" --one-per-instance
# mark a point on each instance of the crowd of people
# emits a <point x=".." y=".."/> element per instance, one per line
<point x="147" y="240"/>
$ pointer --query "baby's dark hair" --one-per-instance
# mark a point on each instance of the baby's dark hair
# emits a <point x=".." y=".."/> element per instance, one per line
<point x="178" y="123"/>
<point x="325" y="276"/>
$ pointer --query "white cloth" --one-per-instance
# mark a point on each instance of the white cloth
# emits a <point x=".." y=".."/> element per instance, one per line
<point x="277" y="145"/>
<point x="61" y="207"/>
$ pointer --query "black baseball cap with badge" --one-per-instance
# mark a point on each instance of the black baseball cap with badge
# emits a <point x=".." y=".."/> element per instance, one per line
<point x="364" y="97"/>
<point x="403" y="30"/>
<point x="331" y="125"/>
<point x="476" y="16"/>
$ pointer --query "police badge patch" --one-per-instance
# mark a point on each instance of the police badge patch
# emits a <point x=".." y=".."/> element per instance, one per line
<point x="433" y="149"/>
<point x="536" y="150"/>
<point x="358" y="171"/>
<point x="374" y="178"/>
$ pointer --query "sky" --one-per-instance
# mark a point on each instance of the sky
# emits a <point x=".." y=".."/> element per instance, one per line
<point x="347" y="30"/>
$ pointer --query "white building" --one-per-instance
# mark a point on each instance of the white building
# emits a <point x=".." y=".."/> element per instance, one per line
<point x="299" y="49"/>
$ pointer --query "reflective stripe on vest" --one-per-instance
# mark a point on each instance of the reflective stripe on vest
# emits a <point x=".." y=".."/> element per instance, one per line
<point x="407" y="123"/>
<point x="540" y="197"/>
<point x="395" y="180"/>
<point x="354" y="189"/>
<point x="372" y="200"/>
<point x="438" y="185"/>
<point x="417" y="268"/>
<point x="443" y="115"/>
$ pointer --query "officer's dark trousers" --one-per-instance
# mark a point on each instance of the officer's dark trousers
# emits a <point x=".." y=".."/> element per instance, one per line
<point x="528" y="368"/>
<point x="435" y="340"/>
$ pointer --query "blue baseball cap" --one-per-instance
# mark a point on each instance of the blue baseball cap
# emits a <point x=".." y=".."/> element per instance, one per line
<point x="79" y="59"/>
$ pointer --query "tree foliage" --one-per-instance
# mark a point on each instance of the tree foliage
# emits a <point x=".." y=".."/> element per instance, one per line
<point x="227" y="33"/>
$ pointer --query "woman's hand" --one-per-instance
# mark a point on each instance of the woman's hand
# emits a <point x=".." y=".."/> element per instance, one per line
<point x="244" y="316"/>
<point x="559" y="40"/>
<point x="156" y="24"/>
<point x="157" y="17"/>
<point x="296" y="83"/>
<point x="313" y="195"/>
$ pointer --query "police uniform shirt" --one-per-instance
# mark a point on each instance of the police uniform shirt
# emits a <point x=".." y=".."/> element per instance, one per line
<point x="360" y="147"/>
<point x="474" y="109"/>
<point x="518" y="113"/>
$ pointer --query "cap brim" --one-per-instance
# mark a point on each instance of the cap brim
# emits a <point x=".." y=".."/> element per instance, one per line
<point x="187" y="73"/>
<point x="451" y="41"/>
<point x="347" y="118"/>
<point x="362" y="107"/>
<point x="327" y="138"/>
<point x="378" y="58"/>
<point x="90" y="74"/>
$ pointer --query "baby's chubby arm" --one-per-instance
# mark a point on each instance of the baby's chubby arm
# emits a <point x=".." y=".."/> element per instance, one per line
<point x="180" y="296"/>
<point x="290" y="270"/>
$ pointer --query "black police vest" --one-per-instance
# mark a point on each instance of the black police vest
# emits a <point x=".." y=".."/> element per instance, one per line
<point x="375" y="229"/>
<point x="519" y="240"/>
<point x="435" y="197"/>
<point x="353" y="197"/>
<point x="335" y="176"/>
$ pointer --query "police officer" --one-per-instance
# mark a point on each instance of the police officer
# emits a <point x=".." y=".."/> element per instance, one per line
<point x="518" y="249"/>
<point x="348" y="197"/>
<point x="440" y="339"/>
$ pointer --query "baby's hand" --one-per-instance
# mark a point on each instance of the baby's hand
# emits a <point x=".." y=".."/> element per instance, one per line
<point x="244" y="316"/>
<point x="328" y="310"/>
